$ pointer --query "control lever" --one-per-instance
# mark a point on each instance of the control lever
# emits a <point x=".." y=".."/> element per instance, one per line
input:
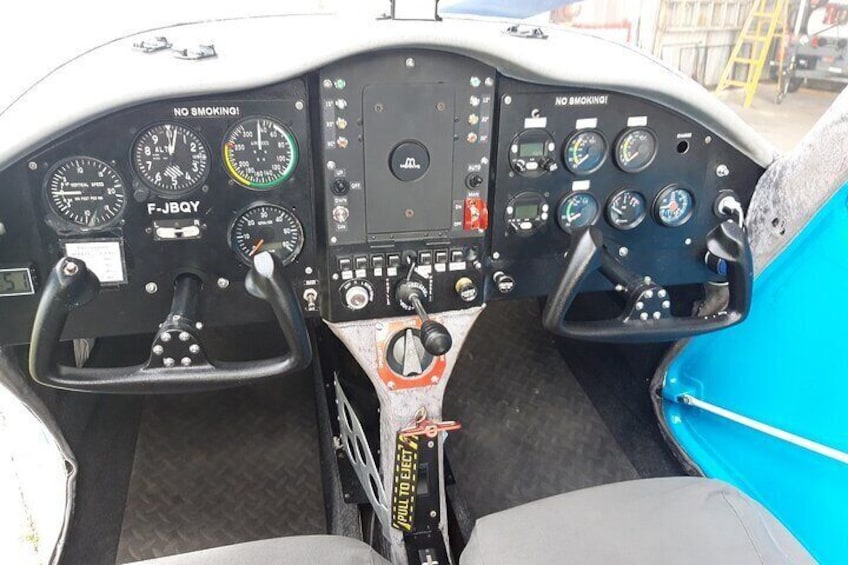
<point x="435" y="337"/>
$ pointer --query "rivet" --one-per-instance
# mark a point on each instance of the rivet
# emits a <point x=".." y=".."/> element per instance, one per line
<point x="308" y="270"/>
<point x="649" y="294"/>
<point x="32" y="165"/>
<point x="194" y="348"/>
<point x="657" y="315"/>
<point x="662" y="293"/>
<point x="410" y="63"/>
<point x="223" y="283"/>
<point x="151" y="288"/>
<point x="643" y="316"/>
<point x="507" y="100"/>
<point x="623" y="252"/>
<point x="199" y="325"/>
<point x="640" y="306"/>
<point x="165" y="337"/>
<point x="158" y="349"/>
<point x="169" y="361"/>
<point x="666" y="304"/>
<point x="185" y="336"/>
<point x="299" y="104"/>
<point x="185" y="361"/>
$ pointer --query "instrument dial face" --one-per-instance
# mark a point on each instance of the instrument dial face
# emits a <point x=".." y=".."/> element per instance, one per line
<point x="636" y="150"/>
<point x="577" y="210"/>
<point x="86" y="192"/>
<point x="171" y="159"/>
<point x="260" y="153"/>
<point x="585" y="152"/>
<point x="266" y="227"/>
<point x="626" y="210"/>
<point x="674" y="206"/>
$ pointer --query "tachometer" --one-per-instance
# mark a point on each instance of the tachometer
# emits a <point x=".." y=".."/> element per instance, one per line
<point x="171" y="159"/>
<point x="585" y="152"/>
<point x="626" y="209"/>
<point x="266" y="227"/>
<point x="636" y="149"/>
<point x="577" y="210"/>
<point x="85" y="192"/>
<point x="260" y="153"/>
<point x="674" y="206"/>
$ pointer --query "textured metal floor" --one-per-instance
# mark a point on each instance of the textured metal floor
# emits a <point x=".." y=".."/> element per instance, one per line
<point x="529" y="430"/>
<point x="225" y="467"/>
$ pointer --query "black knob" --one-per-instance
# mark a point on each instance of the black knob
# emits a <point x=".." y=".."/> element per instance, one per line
<point x="435" y="337"/>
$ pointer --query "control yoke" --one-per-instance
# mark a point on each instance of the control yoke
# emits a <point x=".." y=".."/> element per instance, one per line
<point x="178" y="361"/>
<point x="647" y="314"/>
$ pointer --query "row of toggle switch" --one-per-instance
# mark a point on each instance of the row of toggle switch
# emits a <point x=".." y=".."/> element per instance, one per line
<point x="440" y="260"/>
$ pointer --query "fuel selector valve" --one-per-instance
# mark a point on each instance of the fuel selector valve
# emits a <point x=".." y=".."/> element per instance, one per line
<point x="435" y="337"/>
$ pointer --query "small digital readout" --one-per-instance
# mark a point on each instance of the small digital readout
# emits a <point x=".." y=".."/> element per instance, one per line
<point x="531" y="149"/>
<point x="527" y="210"/>
<point x="16" y="282"/>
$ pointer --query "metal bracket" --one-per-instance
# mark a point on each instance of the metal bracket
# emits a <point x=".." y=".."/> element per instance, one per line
<point x="359" y="454"/>
<point x="526" y="32"/>
<point x="196" y="52"/>
<point x="152" y="45"/>
<point x="426" y="10"/>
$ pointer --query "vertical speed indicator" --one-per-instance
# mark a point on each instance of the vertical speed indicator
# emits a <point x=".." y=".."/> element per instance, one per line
<point x="260" y="153"/>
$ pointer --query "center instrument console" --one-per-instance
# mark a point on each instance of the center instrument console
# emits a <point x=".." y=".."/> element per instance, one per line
<point x="406" y="149"/>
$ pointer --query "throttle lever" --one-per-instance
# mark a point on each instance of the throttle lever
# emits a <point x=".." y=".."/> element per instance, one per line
<point x="435" y="337"/>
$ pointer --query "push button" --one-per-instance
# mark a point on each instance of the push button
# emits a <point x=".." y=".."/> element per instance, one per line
<point x="425" y="258"/>
<point x="361" y="262"/>
<point x="344" y="264"/>
<point x="378" y="262"/>
<point x="394" y="261"/>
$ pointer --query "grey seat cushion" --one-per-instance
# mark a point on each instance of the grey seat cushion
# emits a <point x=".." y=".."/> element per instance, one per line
<point x="680" y="520"/>
<point x="298" y="550"/>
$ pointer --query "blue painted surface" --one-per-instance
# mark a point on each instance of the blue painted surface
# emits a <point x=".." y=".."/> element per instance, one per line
<point x="503" y="8"/>
<point x="787" y="366"/>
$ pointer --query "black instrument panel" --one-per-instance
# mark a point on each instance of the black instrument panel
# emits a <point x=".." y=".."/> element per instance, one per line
<point x="353" y="175"/>
<point x="649" y="178"/>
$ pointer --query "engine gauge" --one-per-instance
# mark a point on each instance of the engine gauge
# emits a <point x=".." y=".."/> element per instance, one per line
<point x="85" y="192"/>
<point x="626" y="210"/>
<point x="171" y="159"/>
<point x="260" y="153"/>
<point x="674" y="206"/>
<point x="577" y="210"/>
<point x="635" y="150"/>
<point x="585" y="152"/>
<point x="266" y="227"/>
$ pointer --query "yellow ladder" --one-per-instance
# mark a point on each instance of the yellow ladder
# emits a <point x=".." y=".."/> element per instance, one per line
<point x="764" y="21"/>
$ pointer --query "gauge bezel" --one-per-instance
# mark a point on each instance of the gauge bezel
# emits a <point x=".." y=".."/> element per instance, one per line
<point x="568" y="197"/>
<point x="164" y="193"/>
<point x="257" y="204"/>
<point x="574" y="136"/>
<point x="620" y="139"/>
<point x="246" y="183"/>
<point x="56" y="215"/>
<point x="636" y="223"/>
<point x="665" y="191"/>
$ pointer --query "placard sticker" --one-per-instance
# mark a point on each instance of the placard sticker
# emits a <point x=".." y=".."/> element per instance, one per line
<point x="104" y="258"/>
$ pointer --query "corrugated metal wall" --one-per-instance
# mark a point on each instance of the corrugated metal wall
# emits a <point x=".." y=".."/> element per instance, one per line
<point x="696" y="36"/>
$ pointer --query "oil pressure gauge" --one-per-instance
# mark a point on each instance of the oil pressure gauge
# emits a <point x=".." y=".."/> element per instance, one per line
<point x="585" y="152"/>
<point x="636" y="149"/>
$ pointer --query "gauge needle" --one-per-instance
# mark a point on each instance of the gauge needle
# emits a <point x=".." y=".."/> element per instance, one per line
<point x="172" y="140"/>
<point x="256" y="247"/>
<point x="633" y="156"/>
<point x="580" y="161"/>
<point x="258" y="136"/>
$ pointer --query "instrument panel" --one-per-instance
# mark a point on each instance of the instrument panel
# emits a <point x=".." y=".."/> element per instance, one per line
<point x="413" y="165"/>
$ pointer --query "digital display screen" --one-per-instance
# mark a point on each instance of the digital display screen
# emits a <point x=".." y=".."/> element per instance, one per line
<point x="526" y="210"/>
<point x="531" y="149"/>
<point x="15" y="282"/>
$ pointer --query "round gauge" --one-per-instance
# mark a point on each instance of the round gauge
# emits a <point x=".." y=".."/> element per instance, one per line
<point x="577" y="210"/>
<point x="636" y="150"/>
<point x="626" y="209"/>
<point x="585" y="152"/>
<point x="171" y="159"/>
<point x="674" y="206"/>
<point x="85" y="192"/>
<point x="260" y="153"/>
<point x="266" y="227"/>
<point x="533" y="153"/>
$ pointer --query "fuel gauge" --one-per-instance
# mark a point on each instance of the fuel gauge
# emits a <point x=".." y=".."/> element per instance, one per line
<point x="626" y="210"/>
